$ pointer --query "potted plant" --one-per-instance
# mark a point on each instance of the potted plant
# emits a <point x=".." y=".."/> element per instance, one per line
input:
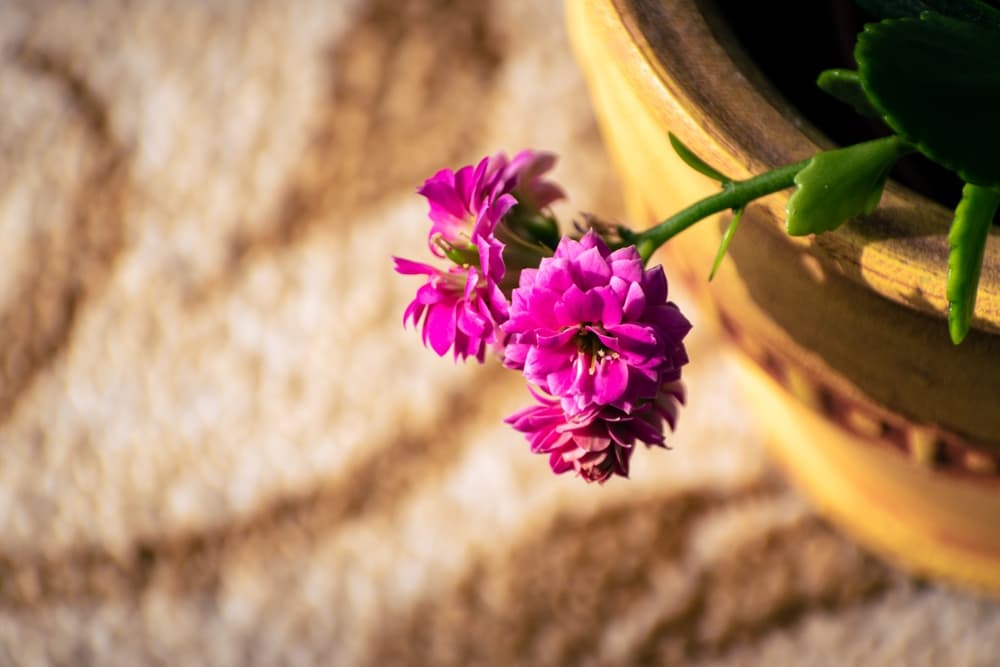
<point x="892" y="430"/>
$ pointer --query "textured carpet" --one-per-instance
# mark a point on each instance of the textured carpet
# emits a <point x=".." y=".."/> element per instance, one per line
<point x="218" y="445"/>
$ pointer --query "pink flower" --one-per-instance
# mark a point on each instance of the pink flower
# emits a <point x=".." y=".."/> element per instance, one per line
<point x="523" y="176"/>
<point x="594" y="328"/>
<point x="474" y="213"/>
<point x="458" y="198"/>
<point x="458" y="308"/>
<point x="591" y="328"/>
<point x="598" y="442"/>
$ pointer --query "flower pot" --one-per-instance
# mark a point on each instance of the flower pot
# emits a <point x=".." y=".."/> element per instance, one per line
<point x="890" y="429"/>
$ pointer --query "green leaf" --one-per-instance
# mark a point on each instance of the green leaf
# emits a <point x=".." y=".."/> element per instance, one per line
<point x="967" y="10"/>
<point x="840" y="184"/>
<point x="462" y="256"/>
<point x="967" y="241"/>
<point x="845" y="85"/>
<point x="695" y="162"/>
<point x="936" y="82"/>
<point x="726" y="238"/>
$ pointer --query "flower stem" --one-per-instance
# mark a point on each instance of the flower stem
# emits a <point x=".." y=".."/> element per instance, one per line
<point x="734" y="195"/>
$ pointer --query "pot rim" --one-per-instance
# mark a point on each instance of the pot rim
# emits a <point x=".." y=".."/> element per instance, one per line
<point x="900" y="251"/>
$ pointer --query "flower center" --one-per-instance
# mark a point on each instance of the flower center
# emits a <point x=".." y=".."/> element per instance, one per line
<point x="450" y="283"/>
<point x="464" y="255"/>
<point x="591" y="346"/>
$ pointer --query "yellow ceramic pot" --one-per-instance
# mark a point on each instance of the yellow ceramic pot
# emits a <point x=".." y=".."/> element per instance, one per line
<point x="888" y="427"/>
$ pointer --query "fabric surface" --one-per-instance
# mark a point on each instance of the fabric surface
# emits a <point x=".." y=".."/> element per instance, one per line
<point x="219" y="446"/>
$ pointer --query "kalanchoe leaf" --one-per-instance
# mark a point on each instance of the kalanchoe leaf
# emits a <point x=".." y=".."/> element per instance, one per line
<point x="726" y="239"/>
<point x="695" y="162"/>
<point x="967" y="10"/>
<point x="840" y="184"/>
<point x="936" y="82"/>
<point x="845" y="85"/>
<point x="967" y="241"/>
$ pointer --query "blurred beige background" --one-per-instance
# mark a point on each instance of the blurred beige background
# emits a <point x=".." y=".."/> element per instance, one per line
<point x="218" y="445"/>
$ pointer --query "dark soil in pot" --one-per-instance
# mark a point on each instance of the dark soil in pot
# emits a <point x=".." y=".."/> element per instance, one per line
<point x="792" y="41"/>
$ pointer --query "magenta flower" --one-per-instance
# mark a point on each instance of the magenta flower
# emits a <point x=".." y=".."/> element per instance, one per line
<point x="598" y="442"/>
<point x="457" y="200"/>
<point x="523" y="176"/>
<point x="591" y="328"/>
<point x="473" y="212"/>
<point x="594" y="328"/>
<point x="460" y="310"/>
<point x="473" y="200"/>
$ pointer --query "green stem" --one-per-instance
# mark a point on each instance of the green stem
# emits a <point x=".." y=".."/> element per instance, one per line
<point x="734" y="195"/>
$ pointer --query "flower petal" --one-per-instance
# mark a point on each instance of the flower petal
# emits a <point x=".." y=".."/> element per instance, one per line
<point x="408" y="267"/>
<point x="635" y="302"/>
<point x="439" y="328"/>
<point x="611" y="381"/>
<point x="632" y="339"/>
<point x="592" y="269"/>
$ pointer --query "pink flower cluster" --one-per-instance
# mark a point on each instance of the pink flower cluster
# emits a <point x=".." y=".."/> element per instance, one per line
<point x="593" y="328"/>
<point x="589" y="326"/>
<point x="462" y="306"/>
